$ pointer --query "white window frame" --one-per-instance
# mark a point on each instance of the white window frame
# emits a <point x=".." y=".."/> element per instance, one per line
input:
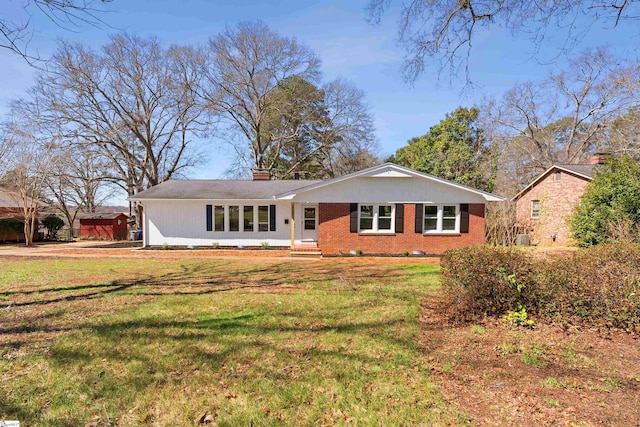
<point x="376" y="216"/>
<point x="537" y="210"/>
<point x="256" y="218"/>
<point x="225" y="217"/>
<point x="439" y="219"/>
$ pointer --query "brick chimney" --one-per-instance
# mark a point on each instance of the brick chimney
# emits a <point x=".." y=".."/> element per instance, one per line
<point x="261" y="175"/>
<point x="599" y="158"/>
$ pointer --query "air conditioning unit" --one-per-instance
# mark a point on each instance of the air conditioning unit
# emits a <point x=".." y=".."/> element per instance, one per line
<point x="523" y="240"/>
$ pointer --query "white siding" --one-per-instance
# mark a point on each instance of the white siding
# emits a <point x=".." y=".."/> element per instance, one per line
<point x="389" y="190"/>
<point x="183" y="223"/>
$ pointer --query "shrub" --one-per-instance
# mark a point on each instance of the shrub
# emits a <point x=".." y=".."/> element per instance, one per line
<point x="598" y="286"/>
<point x="483" y="281"/>
<point x="609" y="210"/>
<point x="53" y="224"/>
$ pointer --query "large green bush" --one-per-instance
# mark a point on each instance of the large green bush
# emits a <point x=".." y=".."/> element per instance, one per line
<point x="598" y="286"/>
<point x="610" y="208"/>
<point x="53" y="224"/>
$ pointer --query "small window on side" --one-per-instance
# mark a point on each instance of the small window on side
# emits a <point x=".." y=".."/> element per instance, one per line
<point x="557" y="176"/>
<point x="535" y="209"/>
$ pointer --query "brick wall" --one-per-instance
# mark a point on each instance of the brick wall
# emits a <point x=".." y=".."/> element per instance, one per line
<point x="334" y="236"/>
<point x="11" y="236"/>
<point x="557" y="199"/>
<point x="11" y="213"/>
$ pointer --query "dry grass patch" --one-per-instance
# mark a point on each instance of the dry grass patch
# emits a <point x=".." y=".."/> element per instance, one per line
<point x="513" y="376"/>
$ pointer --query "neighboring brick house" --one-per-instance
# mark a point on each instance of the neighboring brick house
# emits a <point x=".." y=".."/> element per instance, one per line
<point x="386" y="209"/>
<point x="11" y="209"/>
<point x="544" y="207"/>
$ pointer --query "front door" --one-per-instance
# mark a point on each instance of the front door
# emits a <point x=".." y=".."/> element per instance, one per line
<point x="309" y="223"/>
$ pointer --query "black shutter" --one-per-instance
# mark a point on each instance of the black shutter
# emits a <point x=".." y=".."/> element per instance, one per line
<point x="464" y="218"/>
<point x="353" y="224"/>
<point x="272" y="217"/>
<point x="209" y="218"/>
<point x="419" y="217"/>
<point x="399" y="218"/>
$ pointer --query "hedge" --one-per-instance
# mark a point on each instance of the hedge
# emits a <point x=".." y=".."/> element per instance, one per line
<point x="598" y="286"/>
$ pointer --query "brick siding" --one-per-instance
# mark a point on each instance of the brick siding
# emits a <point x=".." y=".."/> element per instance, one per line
<point x="335" y="238"/>
<point x="558" y="200"/>
<point x="10" y="236"/>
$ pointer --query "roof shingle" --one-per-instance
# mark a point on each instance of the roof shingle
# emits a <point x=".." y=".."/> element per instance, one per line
<point x="221" y="189"/>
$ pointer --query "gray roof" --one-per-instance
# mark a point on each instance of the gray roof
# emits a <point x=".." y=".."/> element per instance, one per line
<point x="586" y="170"/>
<point x="98" y="215"/>
<point x="10" y="199"/>
<point x="211" y="189"/>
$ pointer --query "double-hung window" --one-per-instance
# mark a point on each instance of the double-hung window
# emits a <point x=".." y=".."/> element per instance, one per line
<point x="248" y="219"/>
<point x="219" y="218"/>
<point x="535" y="209"/>
<point x="263" y="218"/>
<point x="441" y="219"/>
<point x="375" y="218"/>
<point x="245" y="218"/>
<point x="234" y="218"/>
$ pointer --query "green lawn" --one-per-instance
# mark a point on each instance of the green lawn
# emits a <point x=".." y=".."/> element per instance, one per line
<point x="166" y="342"/>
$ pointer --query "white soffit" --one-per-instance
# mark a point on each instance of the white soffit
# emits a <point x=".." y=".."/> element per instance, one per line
<point x="389" y="173"/>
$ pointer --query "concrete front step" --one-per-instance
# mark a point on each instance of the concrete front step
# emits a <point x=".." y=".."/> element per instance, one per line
<point x="305" y="251"/>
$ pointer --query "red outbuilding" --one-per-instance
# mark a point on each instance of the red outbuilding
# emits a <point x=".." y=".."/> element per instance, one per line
<point x="107" y="226"/>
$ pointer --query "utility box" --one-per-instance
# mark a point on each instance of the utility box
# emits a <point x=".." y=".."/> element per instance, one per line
<point x="523" y="240"/>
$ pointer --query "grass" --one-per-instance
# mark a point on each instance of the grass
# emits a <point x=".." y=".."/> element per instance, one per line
<point x="273" y="342"/>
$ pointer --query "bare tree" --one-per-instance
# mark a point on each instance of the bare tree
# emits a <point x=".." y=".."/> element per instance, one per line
<point x="559" y="120"/>
<point x="15" y="34"/>
<point x="5" y="147"/>
<point x="443" y="30"/>
<point x="352" y="122"/>
<point x="278" y="116"/>
<point x="246" y="64"/>
<point x="31" y="161"/>
<point x="78" y="175"/>
<point x="135" y="101"/>
<point x="318" y="133"/>
<point x="624" y="134"/>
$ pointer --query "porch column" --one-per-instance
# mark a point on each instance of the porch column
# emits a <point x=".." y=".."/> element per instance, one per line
<point x="293" y="221"/>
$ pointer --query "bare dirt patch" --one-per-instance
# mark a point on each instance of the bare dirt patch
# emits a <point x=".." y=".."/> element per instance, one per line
<point x="504" y="375"/>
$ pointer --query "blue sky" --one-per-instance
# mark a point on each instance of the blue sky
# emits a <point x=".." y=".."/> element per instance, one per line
<point x="348" y="46"/>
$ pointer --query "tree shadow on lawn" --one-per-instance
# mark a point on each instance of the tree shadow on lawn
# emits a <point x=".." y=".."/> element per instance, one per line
<point x="206" y="280"/>
<point x="171" y="350"/>
<point x="32" y="319"/>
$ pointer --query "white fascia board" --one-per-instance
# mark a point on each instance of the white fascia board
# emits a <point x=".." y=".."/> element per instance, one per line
<point x="391" y="170"/>
<point x="145" y="199"/>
